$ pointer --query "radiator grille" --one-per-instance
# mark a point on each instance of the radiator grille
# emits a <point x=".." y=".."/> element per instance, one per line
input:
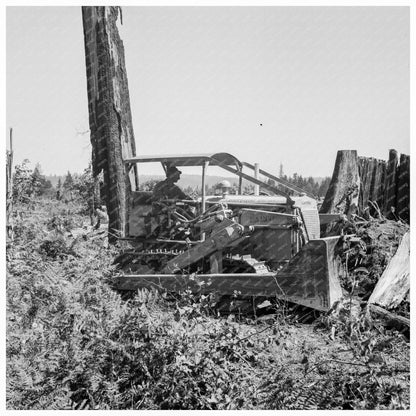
<point x="311" y="220"/>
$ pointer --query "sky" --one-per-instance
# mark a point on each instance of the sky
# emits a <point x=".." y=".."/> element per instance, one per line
<point x="271" y="85"/>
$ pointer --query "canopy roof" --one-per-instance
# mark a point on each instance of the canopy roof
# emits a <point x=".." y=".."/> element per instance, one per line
<point x="226" y="160"/>
<point x="214" y="159"/>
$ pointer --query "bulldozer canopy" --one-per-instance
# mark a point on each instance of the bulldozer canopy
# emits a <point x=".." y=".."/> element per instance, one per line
<point x="226" y="161"/>
<point x="215" y="159"/>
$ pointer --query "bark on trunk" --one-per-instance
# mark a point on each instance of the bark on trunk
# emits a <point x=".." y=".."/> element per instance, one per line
<point x="343" y="192"/>
<point x="366" y="168"/>
<point x="111" y="129"/>
<point x="377" y="188"/>
<point x="390" y="190"/>
<point x="372" y="174"/>
<point x="403" y="188"/>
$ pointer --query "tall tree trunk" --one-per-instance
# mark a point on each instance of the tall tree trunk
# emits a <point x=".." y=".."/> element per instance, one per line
<point x="111" y="129"/>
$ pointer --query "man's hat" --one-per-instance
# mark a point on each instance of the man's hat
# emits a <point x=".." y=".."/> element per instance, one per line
<point x="171" y="170"/>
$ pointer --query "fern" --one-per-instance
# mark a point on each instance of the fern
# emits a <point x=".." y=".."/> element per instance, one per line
<point x="74" y="343"/>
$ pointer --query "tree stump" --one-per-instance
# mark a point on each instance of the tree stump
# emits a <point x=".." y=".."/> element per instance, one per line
<point x="342" y="195"/>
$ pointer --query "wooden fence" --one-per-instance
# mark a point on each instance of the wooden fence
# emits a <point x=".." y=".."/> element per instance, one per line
<point x="361" y="184"/>
<point x="387" y="183"/>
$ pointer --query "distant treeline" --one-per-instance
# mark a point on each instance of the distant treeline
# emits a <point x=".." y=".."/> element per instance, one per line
<point x="315" y="186"/>
<point x="29" y="183"/>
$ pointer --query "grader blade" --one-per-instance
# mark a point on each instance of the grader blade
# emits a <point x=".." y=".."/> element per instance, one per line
<point x="312" y="276"/>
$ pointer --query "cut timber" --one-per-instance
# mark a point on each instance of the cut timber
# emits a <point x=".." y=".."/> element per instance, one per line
<point x="110" y="122"/>
<point x="372" y="173"/>
<point x="390" y="188"/>
<point x="377" y="185"/>
<point x="366" y="167"/>
<point x="390" y="318"/>
<point x="403" y="188"/>
<point x="394" y="283"/>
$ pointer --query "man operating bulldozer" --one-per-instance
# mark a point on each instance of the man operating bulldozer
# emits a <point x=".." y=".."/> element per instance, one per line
<point x="167" y="189"/>
<point x="166" y="209"/>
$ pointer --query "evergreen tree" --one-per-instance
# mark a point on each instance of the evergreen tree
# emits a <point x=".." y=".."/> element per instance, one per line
<point x="40" y="184"/>
<point x="68" y="182"/>
<point x="323" y="188"/>
<point x="295" y="179"/>
<point x="22" y="182"/>
<point x="36" y="179"/>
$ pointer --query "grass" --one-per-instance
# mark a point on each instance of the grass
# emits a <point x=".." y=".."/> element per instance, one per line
<point x="74" y="343"/>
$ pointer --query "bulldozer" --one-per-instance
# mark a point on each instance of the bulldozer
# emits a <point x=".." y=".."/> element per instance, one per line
<point x="264" y="244"/>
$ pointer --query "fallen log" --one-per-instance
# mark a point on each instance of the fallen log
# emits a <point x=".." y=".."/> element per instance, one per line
<point x="389" y="318"/>
<point x="394" y="283"/>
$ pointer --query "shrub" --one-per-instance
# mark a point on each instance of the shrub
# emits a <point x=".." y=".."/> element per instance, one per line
<point x="73" y="342"/>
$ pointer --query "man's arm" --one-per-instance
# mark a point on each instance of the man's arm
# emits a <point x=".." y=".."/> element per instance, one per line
<point x="177" y="193"/>
<point x="159" y="190"/>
